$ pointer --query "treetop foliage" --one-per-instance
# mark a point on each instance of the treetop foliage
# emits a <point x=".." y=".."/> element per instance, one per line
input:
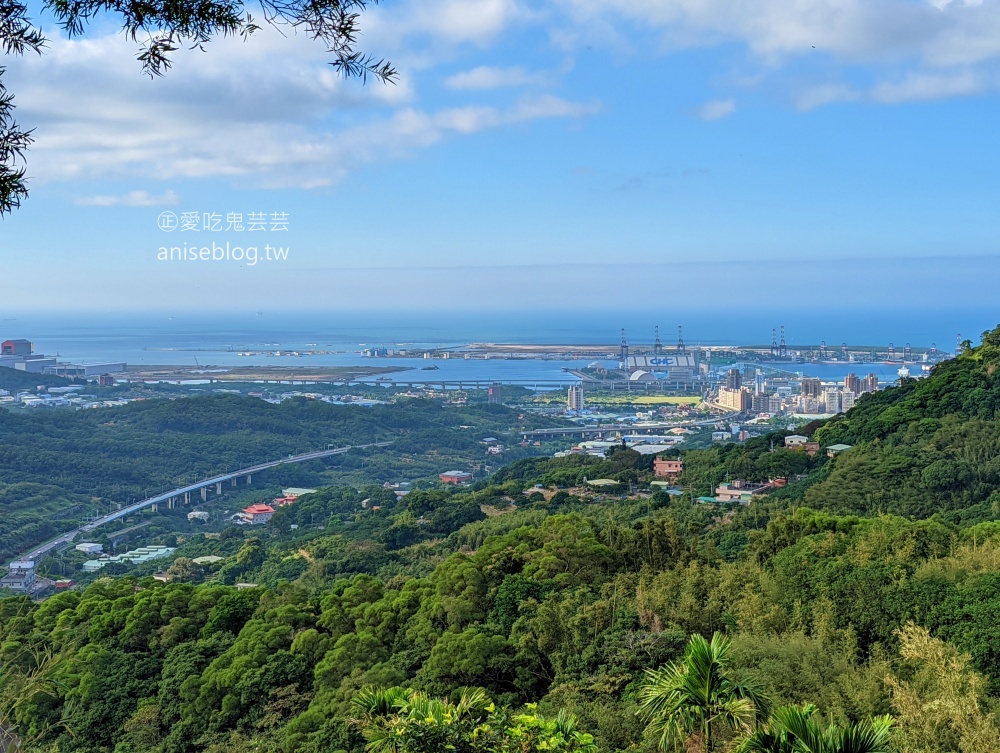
<point x="866" y="588"/>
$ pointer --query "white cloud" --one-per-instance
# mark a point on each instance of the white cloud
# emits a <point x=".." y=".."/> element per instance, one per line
<point x="717" y="108"/>
<point x="131" y="199"/>
<point x="913" y="49"/>
<point x="826" y="94"/>
<point x="548" y="106"/>
<point x="273" y="112"/>
<point x="487" y="77"/>
<point x="923" y="86"/>
<point x="491" y="77"/>
<point x="913" y="87"/>
<point x="856" y="29"/>
<point x="448" y="22"/>
<point x="267" y="113"/>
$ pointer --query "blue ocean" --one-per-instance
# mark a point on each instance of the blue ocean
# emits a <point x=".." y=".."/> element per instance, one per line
<point x="208" y="339"/>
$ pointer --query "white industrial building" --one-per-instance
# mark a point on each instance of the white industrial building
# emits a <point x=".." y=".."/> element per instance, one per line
<point x="34" y="364"/>
<point x="86" y="369"/>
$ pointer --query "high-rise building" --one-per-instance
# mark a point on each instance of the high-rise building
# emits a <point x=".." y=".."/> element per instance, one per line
<point x="734" y="380"/>
<point x="758" y="382"/>
<point x="831" y="399"/>
<point x="847" y="400"/>
<point x="495" y="393"/>
<point x="811" y="387"/>
<point x="870" y="383"/>
<point x="774" y="403"/>
<point x="738" y="400"/>
<point x="761" y="403"/>
<point x="574" y="397"/>
<point x="809" y="404"/>
<point x="852" y="383"/>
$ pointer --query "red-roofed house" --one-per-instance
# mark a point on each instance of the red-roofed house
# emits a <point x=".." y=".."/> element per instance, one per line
<point x="282" y="501"/>
<point x="455" y="477"/>
<point x="256" y="514"/>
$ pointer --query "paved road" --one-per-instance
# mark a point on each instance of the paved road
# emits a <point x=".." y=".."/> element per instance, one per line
<point x="39" y="552"/>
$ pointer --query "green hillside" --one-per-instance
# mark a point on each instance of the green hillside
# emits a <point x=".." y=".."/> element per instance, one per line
<point x="92" y="458"/>
<point x="14" y="380"/>
<point x="868" y="586"/>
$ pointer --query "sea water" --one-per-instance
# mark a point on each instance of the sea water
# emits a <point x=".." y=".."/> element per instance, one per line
<point x="214" y="339"/>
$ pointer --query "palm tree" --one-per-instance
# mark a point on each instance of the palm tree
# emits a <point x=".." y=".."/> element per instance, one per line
<point x="792" y="729"/>
<point x="398" y="720"/>
<point x="385" y="711"/>
<point x="683" y="701"/>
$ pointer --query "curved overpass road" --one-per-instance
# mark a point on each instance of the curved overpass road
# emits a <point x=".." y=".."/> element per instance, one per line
<point x="39" y="552"/>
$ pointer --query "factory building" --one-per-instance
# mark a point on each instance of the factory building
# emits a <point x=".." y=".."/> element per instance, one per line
<point x="86" y="369"/>
<point x="682" y="367"/>
<point x="34" y="364"/>
<point x="20" y="348"/>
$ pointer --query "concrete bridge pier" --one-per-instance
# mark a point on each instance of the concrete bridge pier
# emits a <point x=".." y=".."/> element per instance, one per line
<point x="234" y="480"/>
<point x="187" y="498"/>
<point x="170" y="503"/>
<point x="249" y="479"/>
<point x="152" y="507"/>
<point x="204" y="494"/>
<point x="218" y="488"/>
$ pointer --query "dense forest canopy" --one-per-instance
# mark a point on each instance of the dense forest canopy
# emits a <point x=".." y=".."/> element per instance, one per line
<point x="855" y="604"/>
<point x="79" y="462"/>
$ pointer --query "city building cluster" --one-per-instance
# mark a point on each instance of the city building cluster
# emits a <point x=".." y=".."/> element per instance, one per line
<point x="58" y="397"/>
<point x="775" y="396"/>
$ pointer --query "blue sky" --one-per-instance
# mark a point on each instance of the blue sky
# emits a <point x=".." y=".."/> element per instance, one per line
<point x="546" y="154"/>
